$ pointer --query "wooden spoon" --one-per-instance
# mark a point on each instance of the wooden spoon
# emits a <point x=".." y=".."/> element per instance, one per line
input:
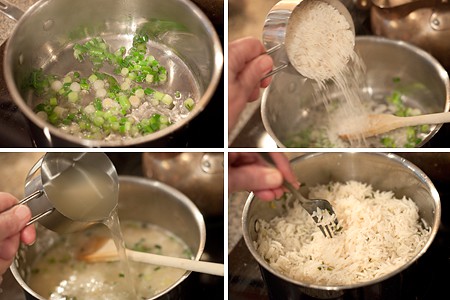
<point x="375" y="124"/>
<point x="104" y="250"/>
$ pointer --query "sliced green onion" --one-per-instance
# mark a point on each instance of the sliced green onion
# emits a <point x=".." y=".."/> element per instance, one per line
<point x="92" y="78"/>
<point x="98" y="121"/>
<point x="158" y="95"/>
<point x="111" y="108"/>
<point x="149" y="91"/>
<point x="53" y="101"/>
<point x="73" y="96"/>
<point x="189" y="103"/>
<point x="124" y="102"/>
<point x="167" y="100"/>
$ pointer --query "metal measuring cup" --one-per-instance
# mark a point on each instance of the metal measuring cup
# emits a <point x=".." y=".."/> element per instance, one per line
<point x="275" y="26"/>
<point x="51" y="185"/>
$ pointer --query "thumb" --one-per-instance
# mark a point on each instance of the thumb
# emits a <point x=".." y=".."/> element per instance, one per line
<point x="13" y="221"/>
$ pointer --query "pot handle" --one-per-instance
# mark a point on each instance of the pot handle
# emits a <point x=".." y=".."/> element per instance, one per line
<point x="10" y="10"/>
<point x="401" y="11"/>
<point x="212" y="163"/>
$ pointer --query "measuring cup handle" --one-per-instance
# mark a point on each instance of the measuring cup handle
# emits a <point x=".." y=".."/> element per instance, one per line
<point x="276" y="70"/>
<point x="10" y="10"/>
<point x="273" y="49"/>
<point x="280" y="67"/>
<point x="30" y="197"/>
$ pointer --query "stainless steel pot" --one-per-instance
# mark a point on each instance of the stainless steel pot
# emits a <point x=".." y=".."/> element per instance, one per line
<point x="44" y="34"/>
<point x="199" y="175"/>
<point x="140" y="199"/>
<point x="289" y="106"/>
<point x="424" y="23"/>
<point x="384" y="172"/>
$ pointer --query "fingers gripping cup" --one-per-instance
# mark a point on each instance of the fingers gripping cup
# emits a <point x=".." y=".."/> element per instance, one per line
<point x="67" y="192"/>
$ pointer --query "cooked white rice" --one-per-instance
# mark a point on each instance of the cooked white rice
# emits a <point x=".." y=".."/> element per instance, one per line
<point x="380" y="234"/>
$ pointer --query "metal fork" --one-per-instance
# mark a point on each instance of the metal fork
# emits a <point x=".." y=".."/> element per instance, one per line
<point x="311" y="205"/>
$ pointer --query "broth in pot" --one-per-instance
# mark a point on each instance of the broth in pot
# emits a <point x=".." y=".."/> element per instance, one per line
<point x="58" y="274"/>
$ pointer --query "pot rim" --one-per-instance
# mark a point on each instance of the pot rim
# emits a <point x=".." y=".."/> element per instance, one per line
<point x="388" y="156"/>
<point x="153" y="183"/>
<point x="379" y="39"/>
<point x="50" y="130"/>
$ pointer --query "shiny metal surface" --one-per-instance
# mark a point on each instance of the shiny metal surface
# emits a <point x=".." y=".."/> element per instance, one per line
<point x="384" y="172"/>
<point x="288" y="105"/>
<point x="10" y="11"/>
<point x="57" y="217"/>
<point x="423" y="23"/>
<point x="45" y="34"/>
<point x="199" y="175"/>
<point x="140" y="199"/>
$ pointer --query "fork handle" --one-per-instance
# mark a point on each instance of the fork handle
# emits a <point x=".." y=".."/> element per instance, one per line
<point x="295" y="192"/>
<point x="266" y="156"/>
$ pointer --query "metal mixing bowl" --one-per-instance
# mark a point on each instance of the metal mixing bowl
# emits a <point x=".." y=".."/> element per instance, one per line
<point x="140" y="199"/>
<point x="384" y="172"/>
<point x="289" y="108"/>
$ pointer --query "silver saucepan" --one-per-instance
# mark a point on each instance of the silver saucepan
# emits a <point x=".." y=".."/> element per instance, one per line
<point x="141" y="200"/>
<point x="45" y="34"/>
<point x="295" y="117"/>
<point x="385" y="172"/>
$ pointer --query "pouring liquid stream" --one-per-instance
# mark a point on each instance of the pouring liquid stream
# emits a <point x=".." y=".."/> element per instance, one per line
<point x="113" y="225"/>
<point x="97" y="196"/>
<point x="90" y="195"/>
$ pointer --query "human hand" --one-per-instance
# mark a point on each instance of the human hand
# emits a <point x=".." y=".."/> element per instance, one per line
<point x="246" y="66"/>
<point x="13" y="230"/>
<point x="249" y="171"/>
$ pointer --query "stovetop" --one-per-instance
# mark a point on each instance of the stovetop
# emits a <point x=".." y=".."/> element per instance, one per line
<point x="427" y="279"/>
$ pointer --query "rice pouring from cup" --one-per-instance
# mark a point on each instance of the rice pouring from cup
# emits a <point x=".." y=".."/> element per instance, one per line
<point x="319" y="40"/>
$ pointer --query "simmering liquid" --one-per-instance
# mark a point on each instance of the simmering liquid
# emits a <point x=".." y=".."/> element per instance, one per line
<point x="57" y="274"/>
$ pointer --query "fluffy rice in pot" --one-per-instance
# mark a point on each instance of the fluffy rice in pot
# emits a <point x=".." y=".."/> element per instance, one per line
<point x="380" y="234"/>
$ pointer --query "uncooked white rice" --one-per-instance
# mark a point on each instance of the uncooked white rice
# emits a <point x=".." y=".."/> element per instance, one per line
<point x="380" y="234"/>
<point x="319" y="41"/>
<point x="320" y="45"/>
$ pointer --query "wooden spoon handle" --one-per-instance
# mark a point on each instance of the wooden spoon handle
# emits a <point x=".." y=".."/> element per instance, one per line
<point x="176" y="262"/>
<point x="437" y="118"/>
<point x="381" y="123"/>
